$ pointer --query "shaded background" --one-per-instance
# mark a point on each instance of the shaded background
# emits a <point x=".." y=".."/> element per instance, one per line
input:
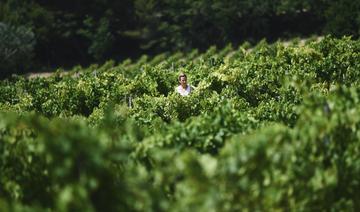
<point x="42" y="35"/>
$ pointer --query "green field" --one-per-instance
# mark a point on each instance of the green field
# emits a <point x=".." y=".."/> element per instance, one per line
<point x="270" y="127"/>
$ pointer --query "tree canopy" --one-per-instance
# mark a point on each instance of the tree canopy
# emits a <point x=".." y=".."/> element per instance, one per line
<point x="69" y="33"/>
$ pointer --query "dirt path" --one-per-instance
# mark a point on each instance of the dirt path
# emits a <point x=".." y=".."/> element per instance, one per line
<point x="41" y="74"/>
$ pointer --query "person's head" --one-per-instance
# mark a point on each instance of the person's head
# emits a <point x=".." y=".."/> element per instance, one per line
<point x="182" y="80"/>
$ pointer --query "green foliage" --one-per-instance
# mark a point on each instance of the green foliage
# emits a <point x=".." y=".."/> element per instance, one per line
<point x="180" y="24"/>
<point x="97" y="30"/>
<point x="269" y="127"/>
<point x="343" y="18"/>
<point x="100" y="37"/>
<point x="16" y="49"/>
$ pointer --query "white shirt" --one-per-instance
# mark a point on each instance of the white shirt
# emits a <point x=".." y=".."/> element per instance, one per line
<point x="182" y="91"/>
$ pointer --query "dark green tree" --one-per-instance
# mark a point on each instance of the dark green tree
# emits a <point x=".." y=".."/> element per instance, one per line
<point x="16" y="49"/>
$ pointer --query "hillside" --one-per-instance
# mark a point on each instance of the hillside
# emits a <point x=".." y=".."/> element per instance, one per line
<point x="271" y="127"/>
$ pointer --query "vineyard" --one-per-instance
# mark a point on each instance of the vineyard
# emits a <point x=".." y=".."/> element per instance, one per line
<point x="270" y="127"/>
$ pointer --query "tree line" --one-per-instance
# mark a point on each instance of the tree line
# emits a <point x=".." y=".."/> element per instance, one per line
<point x="38" y="34"/>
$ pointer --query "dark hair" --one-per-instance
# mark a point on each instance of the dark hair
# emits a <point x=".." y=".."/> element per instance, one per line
<point x="182" y="75"/>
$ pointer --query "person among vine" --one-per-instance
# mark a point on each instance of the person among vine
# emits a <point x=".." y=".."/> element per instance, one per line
<point x="183" y="89"/>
